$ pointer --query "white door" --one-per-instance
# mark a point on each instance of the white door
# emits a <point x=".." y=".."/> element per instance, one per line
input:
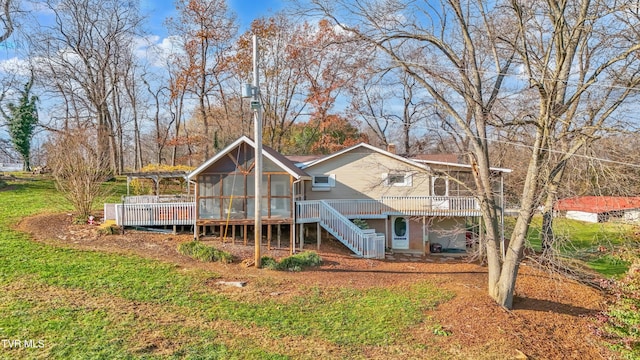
<point x="399" y="233"/>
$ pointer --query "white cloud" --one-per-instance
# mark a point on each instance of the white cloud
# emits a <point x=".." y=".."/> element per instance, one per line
<point x="157" y="50"/>
<point x="14" y="66"/>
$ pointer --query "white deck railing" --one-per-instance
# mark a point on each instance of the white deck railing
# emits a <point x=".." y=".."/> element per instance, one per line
<point x="431" y="205"/>
<point x="155" y="214"/>
<point x="359" y="207"/>
<point x="160" y="210"/>
<point x="307" y="211"/>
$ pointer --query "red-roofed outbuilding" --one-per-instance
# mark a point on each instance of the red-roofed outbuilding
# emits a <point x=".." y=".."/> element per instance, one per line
<point x="600" y="208"/>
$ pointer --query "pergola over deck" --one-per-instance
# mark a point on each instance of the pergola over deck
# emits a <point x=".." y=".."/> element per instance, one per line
<point x="156" y="177"/>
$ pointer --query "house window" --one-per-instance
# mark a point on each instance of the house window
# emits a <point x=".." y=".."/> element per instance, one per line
<point x="323" y="182"/>
<point x="397" y="179"/>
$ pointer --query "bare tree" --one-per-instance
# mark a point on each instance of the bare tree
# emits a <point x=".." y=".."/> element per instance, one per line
<point x="77" y="171"/>
<point x="303" y="72"/>
<point x="391" y="103"/>
<point x="472" y="53"/>
<point x="79" y="54"/>
<point x="6" y="19"/>
<point x="206" y="28"/>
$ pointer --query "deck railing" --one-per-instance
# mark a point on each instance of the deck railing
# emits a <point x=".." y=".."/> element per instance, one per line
<point x="155" y="214"/>
<point x="153" y="210"/>
<point x="359" y="207"/>
<point x="307" y="211"/>
<point x="432" y="205"/>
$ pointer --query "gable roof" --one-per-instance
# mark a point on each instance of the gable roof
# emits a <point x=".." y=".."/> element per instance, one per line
<point x="445" y="158"/>
<point x="300" y="160"/>
<point x="464" y="166"/>
<point x="598" y="204"/>
<point x="267" y="152"/>
<point x="366" y="146"/>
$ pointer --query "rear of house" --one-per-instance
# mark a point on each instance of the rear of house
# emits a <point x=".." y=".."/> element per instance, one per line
<point x="397" y="197"/>
<point x="370" y="199"/>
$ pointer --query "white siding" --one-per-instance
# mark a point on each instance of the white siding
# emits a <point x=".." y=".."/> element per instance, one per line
<point x="632" y="215"/>
<point x="582" y="216"/>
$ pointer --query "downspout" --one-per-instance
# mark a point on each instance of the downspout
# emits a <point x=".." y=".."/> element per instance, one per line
<point x="195" y="207"/>
<point x="292" y="249"/>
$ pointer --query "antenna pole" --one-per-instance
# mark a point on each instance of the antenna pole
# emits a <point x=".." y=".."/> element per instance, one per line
<point x="257" y="112"/>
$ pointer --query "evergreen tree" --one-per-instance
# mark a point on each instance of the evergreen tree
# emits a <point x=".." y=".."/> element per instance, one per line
<point x="21" y="121"/>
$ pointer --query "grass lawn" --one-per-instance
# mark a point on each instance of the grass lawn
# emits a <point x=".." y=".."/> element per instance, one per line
<point x="598" y="245"/>
<point x="71" y="304"/>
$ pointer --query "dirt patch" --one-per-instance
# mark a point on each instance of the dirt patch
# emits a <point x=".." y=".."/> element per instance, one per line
<point x="551" y="318"/>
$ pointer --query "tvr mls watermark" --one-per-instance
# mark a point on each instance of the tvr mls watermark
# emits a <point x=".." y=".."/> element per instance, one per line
<point x="21" y="344"/>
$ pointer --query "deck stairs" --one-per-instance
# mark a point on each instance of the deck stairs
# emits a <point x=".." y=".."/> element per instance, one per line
<point x="365" y="243"/>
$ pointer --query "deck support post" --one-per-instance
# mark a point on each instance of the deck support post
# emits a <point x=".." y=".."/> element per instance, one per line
<point x="278" y="232"/>
<point x="244" y="233"/>
<point x="387" y="235"/>
<point x="318" y="234"/>
<point x="233" y="234"/>
<point x="269" y="226"/>
<point x="425" y="239"/>
<point x="292" y="238"/>
<point x="301" y="238"/>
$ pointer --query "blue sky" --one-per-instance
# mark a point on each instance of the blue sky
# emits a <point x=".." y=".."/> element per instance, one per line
<point x="157" y="12"/>
<point x="246" y="11"/>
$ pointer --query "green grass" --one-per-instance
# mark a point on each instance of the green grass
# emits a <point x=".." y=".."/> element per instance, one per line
<point x="85" y="304"/>
<point x="597" y="245"/>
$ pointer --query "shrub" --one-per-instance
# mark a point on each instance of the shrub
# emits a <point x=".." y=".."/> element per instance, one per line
<point x="295" y="262"/>
<point x="108" y="227"/>
<point x="269" y="263"/>
<point x="80" y="219"/>
<point x="199" y="251"/>
<point x="363" y="225"/>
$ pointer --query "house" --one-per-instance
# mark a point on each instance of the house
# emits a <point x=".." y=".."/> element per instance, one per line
<point x="412" y="204"/>
<point x="372" y="200"/>
<point x="597" y="209"/>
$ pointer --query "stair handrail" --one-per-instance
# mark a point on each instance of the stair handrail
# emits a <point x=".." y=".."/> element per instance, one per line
<point x="356" y="239"/>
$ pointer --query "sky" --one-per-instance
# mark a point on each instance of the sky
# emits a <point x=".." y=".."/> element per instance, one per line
<point x="157" y="12"/>
<point x="246" y="11"/>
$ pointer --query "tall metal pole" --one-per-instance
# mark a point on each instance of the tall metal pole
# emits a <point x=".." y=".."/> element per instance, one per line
<point x="257" y="111"/>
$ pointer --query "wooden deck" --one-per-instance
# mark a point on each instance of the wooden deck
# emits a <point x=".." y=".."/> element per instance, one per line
<point x="163" y="211"/>
<point x="155" y="214"/>
<point x="308" y="211"/>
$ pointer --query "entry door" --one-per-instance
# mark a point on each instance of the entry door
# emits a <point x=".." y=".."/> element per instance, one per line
<point x="399" y="233"/>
